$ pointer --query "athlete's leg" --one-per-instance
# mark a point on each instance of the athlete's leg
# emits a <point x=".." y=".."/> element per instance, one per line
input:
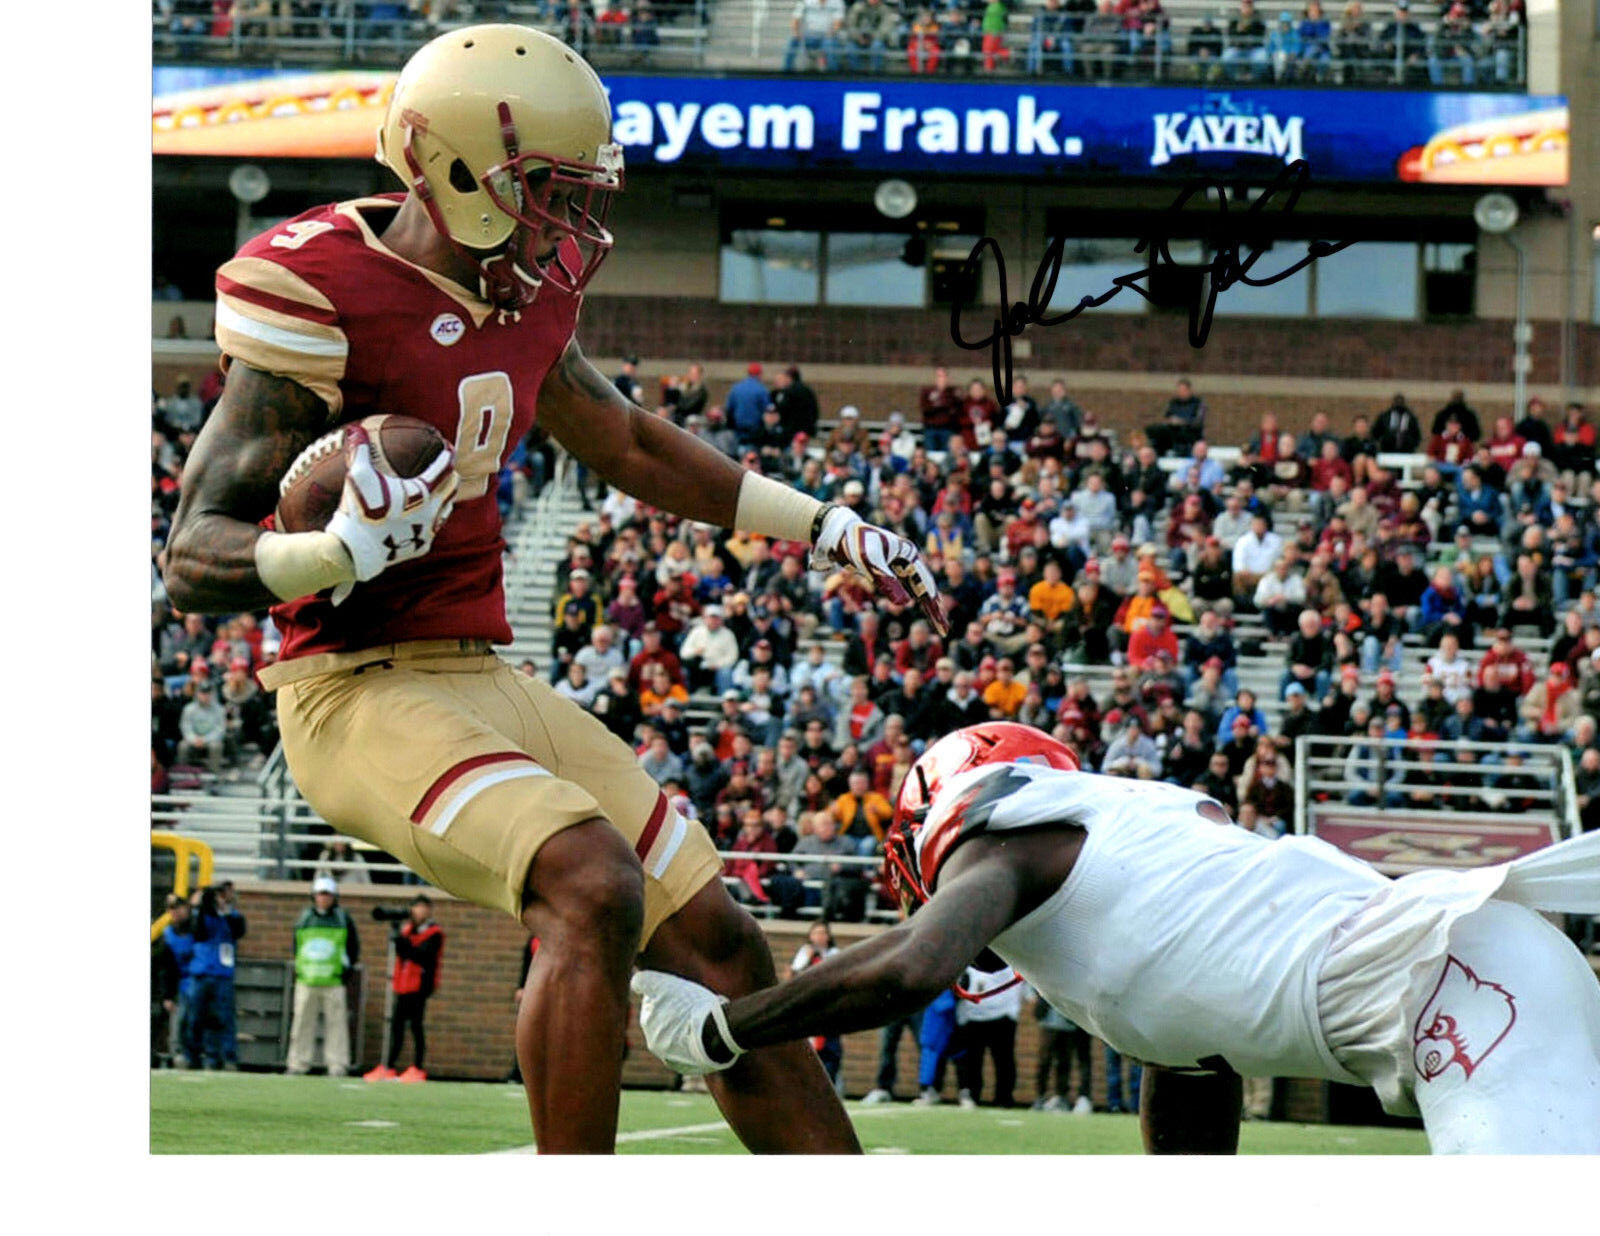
<point x="585" y="902"/>
<point x="778" y="1099"/>
<point x="1507" y="1042"/>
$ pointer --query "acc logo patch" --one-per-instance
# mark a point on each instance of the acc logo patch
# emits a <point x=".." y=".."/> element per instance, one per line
<point x="447" y="329"/>
<point x="1463" y="1021"/>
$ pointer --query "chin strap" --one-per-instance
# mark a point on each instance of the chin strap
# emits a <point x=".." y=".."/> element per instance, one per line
<point x="501" y="281"/>
<point x="966" y="995"/>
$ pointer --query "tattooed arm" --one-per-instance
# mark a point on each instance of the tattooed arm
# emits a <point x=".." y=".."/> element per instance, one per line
<point x="643" y="455"/>
<point x="230" y="483"/>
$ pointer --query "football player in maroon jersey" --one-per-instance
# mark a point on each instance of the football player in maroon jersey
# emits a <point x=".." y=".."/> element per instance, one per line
<point x="456" y="302"/>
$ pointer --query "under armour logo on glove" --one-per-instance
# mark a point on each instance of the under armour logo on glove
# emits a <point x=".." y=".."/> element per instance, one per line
<point x="385" y="519"/>
<point x="891" y="562"/>
<point x="414" y="542"/>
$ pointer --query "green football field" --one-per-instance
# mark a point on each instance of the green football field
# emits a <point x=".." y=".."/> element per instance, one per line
<point x="204" y="1113"/>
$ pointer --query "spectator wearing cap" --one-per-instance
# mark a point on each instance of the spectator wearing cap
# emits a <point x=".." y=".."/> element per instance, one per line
<point x="1132" y="752"/>
<point x="762" y="657"/>
<point x="709" y="652"/>
<point x="1298" y="717"/>
<point x="1005" y="694"/>
<point x="1385" y="697"/>
<point x="1243" y="708"/>
<point x="1152" y="637"/>
<point x="771" y="442"/>
<point x="1210" y="693"/>
<point x="627" y="382"/>
<point x="203" y="725"/>
<point x="626" y="611"/>
<point x="1004" y="615"/>
<point x="848" y="436"/>
<point x="252" y="720"/>
<point x="747" y="399"/>
<point x="1550" y="707"/>
<point x="326" y="947"/>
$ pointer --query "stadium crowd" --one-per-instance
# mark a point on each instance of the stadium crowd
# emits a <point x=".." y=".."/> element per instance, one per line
<point x="1466" y="42"/>
<point x="1060" y="551"/>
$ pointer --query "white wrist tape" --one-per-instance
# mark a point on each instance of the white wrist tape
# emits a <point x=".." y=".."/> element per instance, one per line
<point x="773" y="509"/>
<point x="296" y="564"/>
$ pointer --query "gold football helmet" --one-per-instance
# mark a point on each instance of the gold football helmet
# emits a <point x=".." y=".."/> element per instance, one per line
<point x="503" y="133"/>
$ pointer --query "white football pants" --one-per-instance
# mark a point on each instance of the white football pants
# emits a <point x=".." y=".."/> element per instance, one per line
<point x="1507" y="1044"/>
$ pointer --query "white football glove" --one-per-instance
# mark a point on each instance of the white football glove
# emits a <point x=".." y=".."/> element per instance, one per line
<point x="890" y="561"/>
<point x="383" y="519"/>
<point x="673" y="1017"/>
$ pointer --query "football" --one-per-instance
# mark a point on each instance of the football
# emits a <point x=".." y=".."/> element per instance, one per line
<point x="309" y="492"/>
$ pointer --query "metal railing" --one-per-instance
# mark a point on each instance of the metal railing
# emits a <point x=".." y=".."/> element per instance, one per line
<point x="1474" y="787"/>
<point x="338" y="31"/>
<point x="757" y="35"/>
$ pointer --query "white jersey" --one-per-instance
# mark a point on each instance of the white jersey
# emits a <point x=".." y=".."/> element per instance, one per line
<point x="1178" y="938"/>
<point x="1184" y="941"/>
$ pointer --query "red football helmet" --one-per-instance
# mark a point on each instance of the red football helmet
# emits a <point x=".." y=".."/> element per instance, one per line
<point x="993" y="742"/>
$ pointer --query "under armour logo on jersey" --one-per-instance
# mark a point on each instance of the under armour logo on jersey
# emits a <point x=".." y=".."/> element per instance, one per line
<point x="1464" y="1020"/>
<point x="414" y="542"/>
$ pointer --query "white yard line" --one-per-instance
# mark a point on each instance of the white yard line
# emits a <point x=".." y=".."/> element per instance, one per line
<point x="687" y="1131"/>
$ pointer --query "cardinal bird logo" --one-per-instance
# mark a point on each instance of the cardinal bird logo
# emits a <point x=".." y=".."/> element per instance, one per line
<point x="1463" y="1021"/>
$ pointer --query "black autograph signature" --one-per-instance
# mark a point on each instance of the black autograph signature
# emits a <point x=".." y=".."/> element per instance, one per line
<point x="1225" y="269"/>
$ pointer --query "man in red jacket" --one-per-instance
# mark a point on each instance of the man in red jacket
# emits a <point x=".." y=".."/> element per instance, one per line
<point x="418" y="946"/>
<point x="1155" y="636"/>
<point x="1505" y="675"/>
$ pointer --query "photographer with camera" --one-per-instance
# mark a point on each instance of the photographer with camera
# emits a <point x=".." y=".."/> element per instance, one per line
<point x="207" y="1025"/>
<point x="326" y="946"/>
<point x="418" y="944"/>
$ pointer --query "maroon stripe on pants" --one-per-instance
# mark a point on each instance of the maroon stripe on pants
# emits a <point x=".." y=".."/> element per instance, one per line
<point x="651" y="829"/>
<point x="455" y="772"/>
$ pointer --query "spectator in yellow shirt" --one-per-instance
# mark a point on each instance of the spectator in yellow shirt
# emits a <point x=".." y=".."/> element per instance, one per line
<point x="863" y="813"/>
<point x="660" y="690"/>
<point x="1005" y="694"/>
<point x="1051" y="597"/>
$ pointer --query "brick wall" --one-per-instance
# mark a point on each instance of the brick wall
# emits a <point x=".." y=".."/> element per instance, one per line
<point x="470" y="1020"/>
<point x="1466" y="352"/>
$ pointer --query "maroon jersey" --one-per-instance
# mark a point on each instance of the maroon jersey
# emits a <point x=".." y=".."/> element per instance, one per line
<point x="321" y="300"/>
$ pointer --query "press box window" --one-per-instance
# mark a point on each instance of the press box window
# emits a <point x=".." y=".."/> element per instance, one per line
<point x="772" y="267"/>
